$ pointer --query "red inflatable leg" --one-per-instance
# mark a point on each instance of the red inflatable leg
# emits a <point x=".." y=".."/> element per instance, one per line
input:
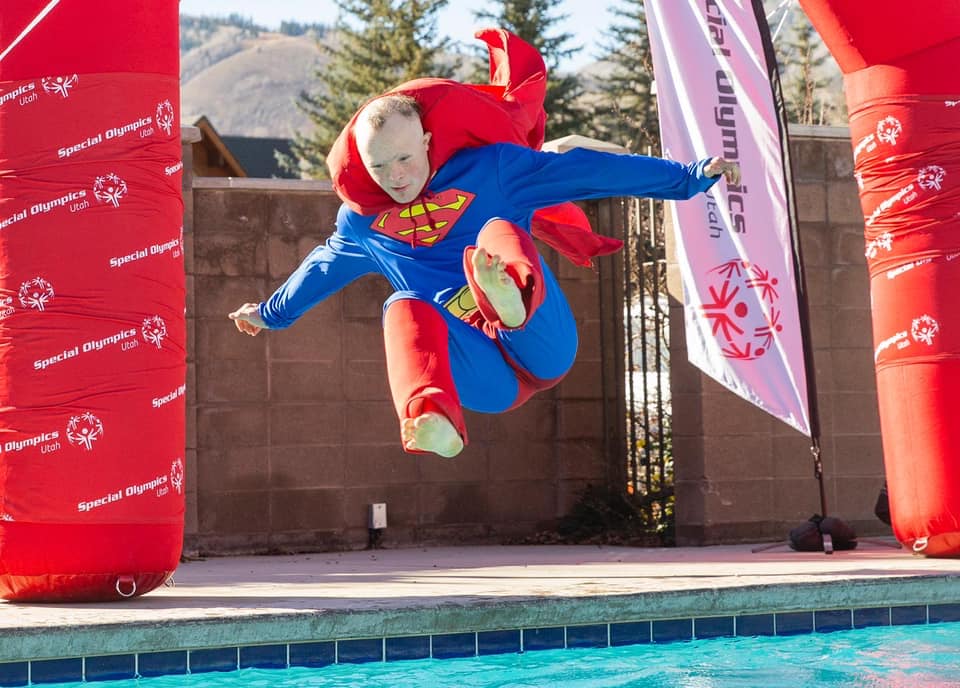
<point x="418" y="364"/>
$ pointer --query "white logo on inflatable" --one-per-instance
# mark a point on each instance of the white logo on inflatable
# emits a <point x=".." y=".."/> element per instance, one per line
<point x="154" y="330"/>
<point x="931" y="177"/>
<point x="6" y="517"/>
<point x="176" y="476"/>
<point x="165" y="117"/>
<point x="36" y="293"/>
<point x="924" y="329"/>
<point x="84" y="430"/>
<point x="6" y="307"/>
<point x="888" y="129"/>
<point x="884" y="241"/>
<point x="59" y="85"/>
<point x="109" y="189"/>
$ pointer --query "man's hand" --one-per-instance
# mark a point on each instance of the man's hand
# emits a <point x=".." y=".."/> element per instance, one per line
<point x="729" y="170"/>
<point x="247" y="319"/>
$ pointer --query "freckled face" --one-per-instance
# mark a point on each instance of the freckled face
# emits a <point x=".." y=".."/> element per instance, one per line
<point x="396" y="156"/>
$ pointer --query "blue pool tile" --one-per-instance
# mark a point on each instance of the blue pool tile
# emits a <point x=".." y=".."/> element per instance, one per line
<point x="668" y="630"/>
<point x="450" y="645"/>
<point x="313" y="654"/>
<point x="795" y="623"/>
<point x="414" y="647"/>
<point x="755" y="624"/>
<point x="112" y="667"/>
<point x="944" y="612"/>
<point x="630" y="633"/>
<point x="832" y="620"/>
<point x="713" y="627"/>
<point x="263" y="657"/>
<point x="498" y="642"/>
<point x="543" y="638"/>
<point x="902" y="616"/>
<point x="587" y="636"/>
<point x="162" y="663"/>
<point x="217" y="659"/>
<point x="56" y="670"/>
<point x="360" y="651"/>
<point x="13" y="674"/>
<point x="871" y="616"/>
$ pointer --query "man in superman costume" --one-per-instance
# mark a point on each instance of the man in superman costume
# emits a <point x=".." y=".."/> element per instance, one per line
<point x="442" y="186"/>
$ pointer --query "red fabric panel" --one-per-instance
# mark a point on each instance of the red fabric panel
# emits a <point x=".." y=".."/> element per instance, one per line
<point x="92" y="327"/>
<point x="138" y="549"/>
<point x="861" y="34"/>
<point x="903" y="94"/>
<point x="85" y="38"/>
<point x="907" y="152"/>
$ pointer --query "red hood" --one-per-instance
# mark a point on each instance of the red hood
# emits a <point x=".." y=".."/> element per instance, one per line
<point x="507" y="110"/>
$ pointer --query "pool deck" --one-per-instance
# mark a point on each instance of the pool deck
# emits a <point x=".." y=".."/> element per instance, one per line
<point x="281" y="599"/>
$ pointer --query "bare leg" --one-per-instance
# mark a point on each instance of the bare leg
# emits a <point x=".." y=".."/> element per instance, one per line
<point x="501" y="291"/>
<point x="431" y="432"/>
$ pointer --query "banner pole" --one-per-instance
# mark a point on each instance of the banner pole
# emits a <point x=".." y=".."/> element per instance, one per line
<point x="796" y="252"/>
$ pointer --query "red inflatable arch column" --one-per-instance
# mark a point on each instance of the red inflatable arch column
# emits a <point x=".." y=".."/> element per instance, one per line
<point x="901" y="65"/>
<point x="92" y="328"/>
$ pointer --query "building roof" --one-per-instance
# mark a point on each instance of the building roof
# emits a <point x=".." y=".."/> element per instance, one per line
<point x="247" y="156"/>
<point x="258" y="157"/>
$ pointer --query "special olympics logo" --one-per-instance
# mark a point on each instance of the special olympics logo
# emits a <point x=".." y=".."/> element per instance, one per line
<point x="36" y="293"/>
<point x="176" y="476"/>
<point x="884" y="241"/>
<point x="931" y="177"/>
<point x="84" y="430"/>
<point x="154" y="330"/>
<point x="888" y="129"/>
<point x="165" y="116"/>
<point x="59" y="85"/>
<point x="744" y="329"/>
<point x="109" y="189"/>
<point x="924" y="329"/>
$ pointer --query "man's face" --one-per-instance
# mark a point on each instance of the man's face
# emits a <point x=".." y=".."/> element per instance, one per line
<point x="396" y="156"/>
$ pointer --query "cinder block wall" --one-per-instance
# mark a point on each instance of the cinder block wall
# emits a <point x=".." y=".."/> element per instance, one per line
<point x="293" y="432"/>
<point x="740" y="474"/>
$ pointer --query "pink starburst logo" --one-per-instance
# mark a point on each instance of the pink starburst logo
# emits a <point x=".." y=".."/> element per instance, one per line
<point x="742" y="310"/>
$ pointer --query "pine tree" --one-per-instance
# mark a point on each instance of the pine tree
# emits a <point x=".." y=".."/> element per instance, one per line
<point x="378" y="44"/>
<point x="803" y="61"/>
<point x="531" y="20"/>
<point x="627" y="113"/>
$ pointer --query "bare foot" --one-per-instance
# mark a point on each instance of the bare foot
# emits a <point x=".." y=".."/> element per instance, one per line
<point x="431" y="432"/>
<point x="499" y="288"/>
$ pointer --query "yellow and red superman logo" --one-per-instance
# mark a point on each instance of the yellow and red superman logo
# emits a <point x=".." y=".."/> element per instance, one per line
<point x="427" y="222"/>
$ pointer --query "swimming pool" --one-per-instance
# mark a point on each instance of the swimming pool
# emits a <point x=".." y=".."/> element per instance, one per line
<point x="884" y="656"/>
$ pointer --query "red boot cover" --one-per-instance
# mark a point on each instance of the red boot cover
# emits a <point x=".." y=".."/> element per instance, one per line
<point x="516" y="248"/>
<point x="418" y="364"/>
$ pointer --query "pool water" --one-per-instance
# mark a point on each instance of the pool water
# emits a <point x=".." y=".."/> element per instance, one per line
<point x="880" y="657"/>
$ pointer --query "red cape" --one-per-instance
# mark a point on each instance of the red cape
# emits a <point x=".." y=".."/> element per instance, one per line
<point x="508" y="110"/>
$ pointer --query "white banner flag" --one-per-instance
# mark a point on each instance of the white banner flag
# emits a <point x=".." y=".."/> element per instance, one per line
<point x="734" y="243"/>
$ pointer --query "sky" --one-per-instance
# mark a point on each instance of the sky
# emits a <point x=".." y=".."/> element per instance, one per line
<point x="587" y="18"/>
